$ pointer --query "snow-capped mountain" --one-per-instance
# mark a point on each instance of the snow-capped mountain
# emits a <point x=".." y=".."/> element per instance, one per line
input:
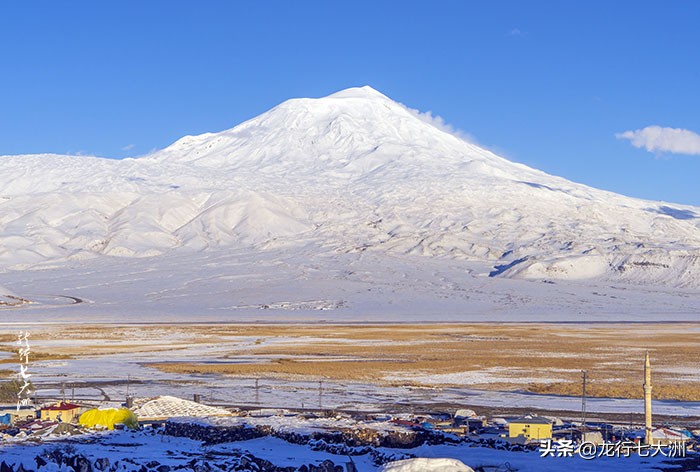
<point x="351" y="173"/>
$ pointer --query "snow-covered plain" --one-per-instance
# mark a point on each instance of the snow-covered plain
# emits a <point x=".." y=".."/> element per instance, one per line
<point x="306" y="284"/>
<point x="348" y="207"/>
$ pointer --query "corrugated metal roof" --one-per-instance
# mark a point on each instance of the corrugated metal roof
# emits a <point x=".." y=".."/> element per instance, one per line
<point x="170" y="407"/>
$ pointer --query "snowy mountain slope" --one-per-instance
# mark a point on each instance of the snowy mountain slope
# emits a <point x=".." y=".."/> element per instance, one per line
<point x="349" y="173"/>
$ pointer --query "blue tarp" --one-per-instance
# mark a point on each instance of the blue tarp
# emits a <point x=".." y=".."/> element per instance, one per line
<point x="6" y="419"/>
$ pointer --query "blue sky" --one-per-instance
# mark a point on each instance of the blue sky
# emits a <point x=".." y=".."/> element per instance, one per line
<point x="547" y="83"/>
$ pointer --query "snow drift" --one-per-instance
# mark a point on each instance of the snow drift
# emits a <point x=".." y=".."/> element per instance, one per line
<point x="426" y="465"/>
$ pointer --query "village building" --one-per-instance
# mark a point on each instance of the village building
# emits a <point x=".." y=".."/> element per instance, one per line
<point x="580" y="434"/>
<point x="164" y="407"/>
<point x="10" y="414"/>
<point x="530" y="428"/>
<point x="667" y="436"/>
<point x="61" y="411"/>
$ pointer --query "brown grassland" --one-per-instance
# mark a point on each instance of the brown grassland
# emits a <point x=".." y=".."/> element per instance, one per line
<point x="541" y="358"/>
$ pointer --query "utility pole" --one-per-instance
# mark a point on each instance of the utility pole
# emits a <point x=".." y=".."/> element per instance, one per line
<point x="583" y="401"/>
<point x="320" y="394"/>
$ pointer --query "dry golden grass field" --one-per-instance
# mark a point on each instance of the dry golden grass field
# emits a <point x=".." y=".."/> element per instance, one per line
<point x="541" y="358"/>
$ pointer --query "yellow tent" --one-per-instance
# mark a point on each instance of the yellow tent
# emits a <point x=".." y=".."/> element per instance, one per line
<point x="108" y="417"/>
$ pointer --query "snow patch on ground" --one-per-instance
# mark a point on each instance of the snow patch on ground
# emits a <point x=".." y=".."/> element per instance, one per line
<point x="485" y="376"/>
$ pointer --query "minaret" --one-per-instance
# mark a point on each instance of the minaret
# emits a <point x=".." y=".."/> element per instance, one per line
<point x="647" y="400"/>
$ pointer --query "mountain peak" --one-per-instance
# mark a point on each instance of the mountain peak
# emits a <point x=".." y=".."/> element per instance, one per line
<point x="351" y="134"/>
<point x="351" y="172"/>
<point x="365" y="92"/>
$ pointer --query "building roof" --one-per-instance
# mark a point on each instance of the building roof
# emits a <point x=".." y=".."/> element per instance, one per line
<point x="63" y="406"/>
<point x="23" y="410"/>
<point x="169" y="407"/>
<point x="530" y="419"/>
<point x="465" y="413"/>
<point x="666" y="433"/>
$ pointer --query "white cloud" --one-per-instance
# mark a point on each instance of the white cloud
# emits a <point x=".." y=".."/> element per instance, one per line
<point x="657" y="139"/>
<point x="128" y="147"/>
<point x="440" y="123"/>
<point x="515" y="32"/>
